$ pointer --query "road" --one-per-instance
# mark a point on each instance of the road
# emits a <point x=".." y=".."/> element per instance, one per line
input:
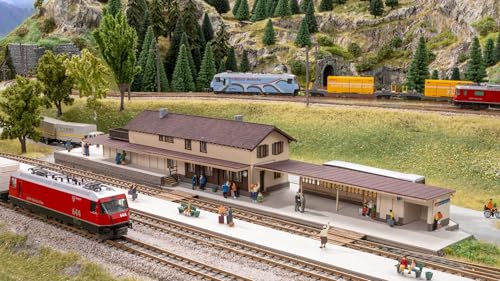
<point x="474" y="222"/>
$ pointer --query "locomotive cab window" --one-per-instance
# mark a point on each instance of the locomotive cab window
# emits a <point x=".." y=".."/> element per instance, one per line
<point x="114" y="206"/>
<point x="13" y="182"/>
<point x="92" y="206"/>
<point x="479" y="93"/>
<point x="217" y="79"/>
<point x="290" y="81"/>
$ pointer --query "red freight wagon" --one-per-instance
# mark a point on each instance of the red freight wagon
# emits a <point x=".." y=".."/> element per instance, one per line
<point x="477" y="96"/>
<point x="89" y="205"/>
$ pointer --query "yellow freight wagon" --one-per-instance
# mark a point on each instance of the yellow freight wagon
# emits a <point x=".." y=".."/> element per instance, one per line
<point x="351" y="85"/>
<point x="442" y="88"/>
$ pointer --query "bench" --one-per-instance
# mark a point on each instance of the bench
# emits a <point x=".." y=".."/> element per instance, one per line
<point x="194" y="212"/>
<point x="418" y="269"/>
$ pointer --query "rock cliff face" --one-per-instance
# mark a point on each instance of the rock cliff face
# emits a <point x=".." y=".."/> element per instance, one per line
<point x="74" y="16"/>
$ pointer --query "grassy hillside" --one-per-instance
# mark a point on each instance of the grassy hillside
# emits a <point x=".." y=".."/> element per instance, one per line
<point x="34" y="150"/>
<point x="459" y="152"/>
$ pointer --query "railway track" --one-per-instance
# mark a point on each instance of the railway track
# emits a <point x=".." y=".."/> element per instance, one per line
<point x="243" y="249"/>
<point x="368" y="103"/>
<point x="338" y="236"/>
<point x="143" y="250"/>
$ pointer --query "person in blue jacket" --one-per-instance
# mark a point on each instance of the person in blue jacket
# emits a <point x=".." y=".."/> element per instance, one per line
<point x="203" y="182"/>
<point x="225" y="189"/>
<point x="193" y="181"/>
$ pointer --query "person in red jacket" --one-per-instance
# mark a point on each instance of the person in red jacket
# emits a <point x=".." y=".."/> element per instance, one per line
<point x="403" y="263"/>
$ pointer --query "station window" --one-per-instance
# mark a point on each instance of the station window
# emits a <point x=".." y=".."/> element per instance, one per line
<point x="187" y="144"/>
<point x="277" y="175"/>
<point x="209" y="171"/>
<point x="277" y="148"/>
<point x="236" y="176"/>
<point x="92" y="206"/>
<point x="262" y="151"/>
<point x="170" y="163"/>
<point x="203" y="147"/>
<point x="191" y="167"/>
<point x="166" y="139"/>
<point x="479" y="93"/>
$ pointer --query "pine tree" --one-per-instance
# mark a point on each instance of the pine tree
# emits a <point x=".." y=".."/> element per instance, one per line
<point x="150" y="83"/>
<point x="207" y="29"/>
<point x="269" y="36"/>
<point x="207" y="69"/>
<point x="283" y="9"/>
<point x="244" y="64"/>
<point x="326" y="5"/>
<point x="222" y="6"/>
<point x="200" y="40"/>
<point x="173" y="49"/>
<point x="196" y="53"/>
<point x="220" y="44"/>
<point x="497" y="48"/>
<point x="113" y="7"/>
<point x="271" y="7"/>
<point x="376" y="8"/>
<point x="243" y="13"/>
<point x="185" y="42"/>
<point x="173" y="16"/>
<point x="157" y="18"/>
<point x="222" y="66"/>
<point x="419" y="68"/>
<point x="455" y="75"/>
<point x="294" y="7"/>
<point x="191" y="23"/>
<point x="254" y="6"/>
<point x="182" y="80"/>
<point x="260" y="12"/>
<point x="435" y="74"/>
<point x="236" y="6"/>
<point x="489" y="53"/>
<point x="231" y="63"/>
<point x="143" y="56"/>
<point x="475" y="70"/>
<point x="310" y="18"/>
<point x="303" y="38"/>
<point x="136" y="11"/>
<point x="391" y="3"/>
<point x="303" y="5"/>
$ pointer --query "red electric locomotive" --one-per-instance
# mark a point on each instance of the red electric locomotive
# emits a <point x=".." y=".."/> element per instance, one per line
<point x="477" y="96"/>
<point x="89" y="205"/>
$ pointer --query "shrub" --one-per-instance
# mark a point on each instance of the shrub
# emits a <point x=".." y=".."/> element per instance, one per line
<point x="485" y="26"/>
<point x="22" y="31"/>
<point x="297" y="67"/>
<point x="354" y="49"/>
<point x="462" y="57"/>
<point x="366" y="64"/>
<point x="79" y="42"/>
<point x="48" y="25"/>
<point x="336" y="50"/>
<point x="324" y="41"/>
<point x="384" y="53"/>
<point x="396" y="42"/>
<point x="442" y="40"/>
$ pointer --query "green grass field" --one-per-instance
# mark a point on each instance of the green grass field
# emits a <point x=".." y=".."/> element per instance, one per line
<point x="21" y="261"/>
<point x="475" y="251"/>
<point x="458" y="152"/>
<point x="34" y="150"/>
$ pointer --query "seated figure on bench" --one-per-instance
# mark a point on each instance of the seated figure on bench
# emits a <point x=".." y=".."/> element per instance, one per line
<point x="187" y="210"/>
<point x="403" y="264"/>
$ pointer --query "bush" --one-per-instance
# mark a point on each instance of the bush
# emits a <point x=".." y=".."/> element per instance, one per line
<point x="48" y="25"/>
<point x="336" y="50"/>
<point x="396" y="42"/>
<point x="79" y="42"/>
<point x="462" y="57"/>
<point x="432" y="57"/>
<point x="485" y="26"/>
<point x="354" y="49"/>
<point x="297" y="67"/>
<point x="324" y="41"/>
<point x="22" y="31"/>
<point x="366" y="64"/>
<point x="442" y="40"/>
<point x="384" y="53"/>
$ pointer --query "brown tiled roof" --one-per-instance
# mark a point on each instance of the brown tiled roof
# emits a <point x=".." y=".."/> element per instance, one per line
<point x="138" y="148"/>
<point x="217" y="131"/>
<point x="358" y="179"/>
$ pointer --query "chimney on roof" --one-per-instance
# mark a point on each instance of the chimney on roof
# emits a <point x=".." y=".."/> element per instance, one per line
<point x="238" y="118"/>
<point x="163" y="113"/>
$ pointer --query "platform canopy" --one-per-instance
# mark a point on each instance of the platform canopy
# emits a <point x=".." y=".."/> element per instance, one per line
<point x="174" y="155"/>
<point x="357" y="179"/>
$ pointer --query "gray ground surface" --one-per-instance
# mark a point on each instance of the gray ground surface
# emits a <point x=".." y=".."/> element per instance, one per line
<point x="474" y="222"/>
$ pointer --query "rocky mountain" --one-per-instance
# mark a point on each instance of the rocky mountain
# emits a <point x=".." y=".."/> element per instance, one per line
<point x="12" y="14"/>
<point x="386" y="43"/>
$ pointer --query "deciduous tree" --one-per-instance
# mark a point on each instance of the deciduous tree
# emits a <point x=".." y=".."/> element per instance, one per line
<point x="243" y="13"/>
<point x="182" y="80"/>
<point x="231" y="63"/>
<point x="282" y="9"/>
<point x="376" y="8"/>
<point x="208" y="30"/>
<point x="207" y="68"/>
<point x="455" y="74"/>
<point x="310" y="18"/>
<point x="244" y="64"/>
<point x="326" y="5"/>
<point x="20" y="106"/>
<point x="117" y="42"/>
<point x="294" y="7"/>
<point x="269" y="35"/>
<point x="51" y="72"/>
<point x="303" y="37"/>
<point x="489" y="53"/>
<point x="475" y="70"/>
<point x="419" y="68"/>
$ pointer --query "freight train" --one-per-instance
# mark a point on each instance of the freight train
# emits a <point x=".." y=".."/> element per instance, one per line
<point x="254" y="83"/>
<point x="88" y="205"/>
<point x="477" y="96"/>
<point x="62" y="131"/>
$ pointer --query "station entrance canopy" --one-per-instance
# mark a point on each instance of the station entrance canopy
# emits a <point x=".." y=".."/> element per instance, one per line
<point x="359" y="180"/>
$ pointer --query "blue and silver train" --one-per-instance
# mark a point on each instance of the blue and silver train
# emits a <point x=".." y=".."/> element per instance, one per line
<point x="254" y="83"/>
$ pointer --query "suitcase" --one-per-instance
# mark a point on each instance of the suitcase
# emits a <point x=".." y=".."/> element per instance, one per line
<point x="221" y="219"/>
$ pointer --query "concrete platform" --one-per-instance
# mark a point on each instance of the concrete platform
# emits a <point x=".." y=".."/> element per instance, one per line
<point x="375" y="267"/>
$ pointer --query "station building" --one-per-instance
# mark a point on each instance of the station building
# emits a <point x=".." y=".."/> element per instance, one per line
<point x="163" y="148"/>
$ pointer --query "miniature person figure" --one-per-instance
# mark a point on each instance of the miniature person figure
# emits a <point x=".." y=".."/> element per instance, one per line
<point x="391" y="220"/>
<point x="193" y="181"/>
<point x="203" y="182"/>
<point x="403" y="264"/>
<point x="323" y="235"/>
<point x="437" y="218"/>
<point x="411" y="266"/>
<point x="297" y="201"/>
<point x="364" y="209"/>
<point x="256" y="192"/>
<point x="225" y="189"/>
<point x="118" y="158"/>
<point x="302" y="202"/>
<point x="187" y="211"/>
<point x="230" y="216"/>
<point x="68" y="145"/>
<point x="234" y="189"/>
<point x="489" y="205"/>
<point x="134" y="193"/>
<point x="222" y="212"/>
<point x="122" y="160"/>
<point x="370" y="206"/>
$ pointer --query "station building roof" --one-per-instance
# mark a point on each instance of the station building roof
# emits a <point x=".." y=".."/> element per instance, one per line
<point x="358" y="179"/>
<point x="143" y="149"/>
<point x="232" y="133"/>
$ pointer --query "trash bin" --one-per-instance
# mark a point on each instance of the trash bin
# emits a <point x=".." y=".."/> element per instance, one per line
<point x="428" y="275"/>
